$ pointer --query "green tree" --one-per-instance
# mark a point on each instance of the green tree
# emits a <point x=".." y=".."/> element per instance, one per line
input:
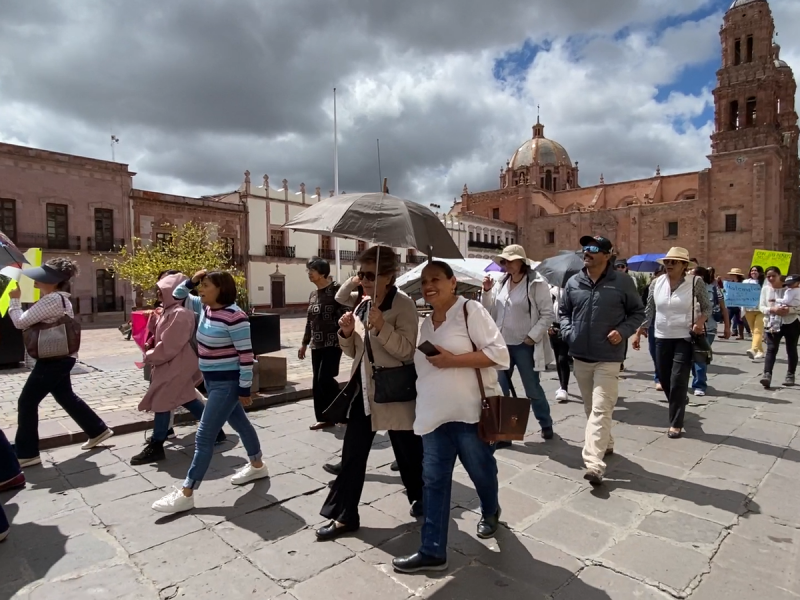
<point x="186" y="248"/>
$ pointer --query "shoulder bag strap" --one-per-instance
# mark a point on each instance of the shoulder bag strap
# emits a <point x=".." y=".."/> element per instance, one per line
<point x="367" y="345"/>
<point x="474" y="349"/>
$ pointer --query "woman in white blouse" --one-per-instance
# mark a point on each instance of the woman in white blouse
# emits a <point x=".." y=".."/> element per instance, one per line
<point x="448" y="410"/>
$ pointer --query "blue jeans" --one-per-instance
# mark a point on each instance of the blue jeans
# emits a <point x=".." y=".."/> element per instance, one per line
<point x="222" y="405"/>
<point x="700" y="370"/>
<point x="651" y="344"/>
<point x="522" y="357"/>
<point x="161" y="420"/>
<point x="441" y="447"/>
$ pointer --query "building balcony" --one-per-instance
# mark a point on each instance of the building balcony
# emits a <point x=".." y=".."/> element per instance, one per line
<point x="415" y="259"/>
<point x="279" y="251"/>
<point x="485" y="245"/>
<point x="104" y="245"/>
<point x="349" y="256"/>
<point x="326" y="253"/>
<point x="46" y="242"/>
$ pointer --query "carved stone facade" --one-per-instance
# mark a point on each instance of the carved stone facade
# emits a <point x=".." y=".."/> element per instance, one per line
<point x="747" y="198"/>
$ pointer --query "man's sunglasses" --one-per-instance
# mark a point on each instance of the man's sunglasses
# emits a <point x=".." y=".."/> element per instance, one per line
<point x="592" y="249"/>
<point x="368" y="275"/>
<point x="620" y="267"/>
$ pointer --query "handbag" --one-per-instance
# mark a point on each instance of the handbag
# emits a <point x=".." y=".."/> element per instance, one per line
<point x="503" y="418"/>
<point x="53" y="340"/>
<point x="701" y="349"/>
<point x="392" y="384"/>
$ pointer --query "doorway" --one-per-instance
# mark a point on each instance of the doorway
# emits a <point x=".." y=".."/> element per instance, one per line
<point x="278" y="293"/>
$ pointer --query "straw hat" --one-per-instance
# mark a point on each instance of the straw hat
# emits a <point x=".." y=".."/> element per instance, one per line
<point x="677" y="253"/>
<point x="512" y="252"/>
<point x="736" y="271"/>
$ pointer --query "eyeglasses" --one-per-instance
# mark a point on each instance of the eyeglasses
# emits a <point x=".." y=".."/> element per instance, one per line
<point x="503" y="262"/>
<point x="671" y="262"/>
<point x="620" y="267"/>
<point x="368" y="275"/>
<point x="591" y="249"/>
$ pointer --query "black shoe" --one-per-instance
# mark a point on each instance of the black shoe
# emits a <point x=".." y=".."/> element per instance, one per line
<point x="395" y="466"/>
<point x="153" y="452"/>
<point x="487" y="526"/>
<point x="592" y="476"/>
<point x="547" y="433"/>
<point x="674" y="435"/>
<point x="419" y="562"/>
<point x="766" y="380"/>
<point x="416" y="509"/>
<point x="789" y="381"/>
<point x="499" y="445"/>
<point x="331" y="531"/>
<point x="221" y="438"/>
<point x="332" y="469"/>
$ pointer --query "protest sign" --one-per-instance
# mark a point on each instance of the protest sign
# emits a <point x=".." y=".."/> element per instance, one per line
<point x="772" y="258"/>
<point x="746" y="295"/>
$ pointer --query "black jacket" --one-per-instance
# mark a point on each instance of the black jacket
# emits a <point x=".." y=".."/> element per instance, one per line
<point x="590" y="311"/>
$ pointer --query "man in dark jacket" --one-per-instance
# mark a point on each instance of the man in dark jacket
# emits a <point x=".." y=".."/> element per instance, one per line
<point x="600" y="309"/>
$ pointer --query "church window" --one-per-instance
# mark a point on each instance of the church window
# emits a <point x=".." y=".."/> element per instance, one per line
<point x="737" y="52"/>
<point x="730" y="223"/>
<point x="550" y="238"/>
<point x="750" y="112"/>
<point x="496" y="213"/>
<point x="733" y="116"/>
<point x="548" y="180"/>
<point x="555" y="183"/>
<point x="672" y="229"/>
<point x="749" y="48"/>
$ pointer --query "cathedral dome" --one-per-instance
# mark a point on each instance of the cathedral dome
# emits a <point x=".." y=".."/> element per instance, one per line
<point x="539" y="151"/>
<point x="738" y="3"/>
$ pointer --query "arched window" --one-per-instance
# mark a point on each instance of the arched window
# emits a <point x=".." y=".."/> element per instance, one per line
<point x="733" y="116"/>
<point x="548" y="180"/>
<point x="106" y="288"/>
<point x="750" y="112"/>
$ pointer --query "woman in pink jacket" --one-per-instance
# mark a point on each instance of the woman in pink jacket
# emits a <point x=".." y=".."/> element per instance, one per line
<point x="175" y="373"/>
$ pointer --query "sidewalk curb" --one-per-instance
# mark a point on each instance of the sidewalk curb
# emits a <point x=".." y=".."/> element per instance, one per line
<point x="58" y="433"/>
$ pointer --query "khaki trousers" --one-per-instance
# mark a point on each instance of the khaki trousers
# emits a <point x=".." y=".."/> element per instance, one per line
<point x="755" y="318"/>
<point x="599" y="385"/>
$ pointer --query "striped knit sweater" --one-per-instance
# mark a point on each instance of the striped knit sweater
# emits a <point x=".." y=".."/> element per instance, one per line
<point x="223" y="340"/>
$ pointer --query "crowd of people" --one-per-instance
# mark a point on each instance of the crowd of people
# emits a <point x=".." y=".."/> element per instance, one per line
<point x="423" y="383"/>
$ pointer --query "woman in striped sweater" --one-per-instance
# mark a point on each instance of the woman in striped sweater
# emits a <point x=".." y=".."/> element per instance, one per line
<point x="226" y="361"/>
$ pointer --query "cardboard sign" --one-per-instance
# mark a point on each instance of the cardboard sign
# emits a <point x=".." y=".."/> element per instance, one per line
<point x="772" y="258"/>
<point x="746" y="295"/>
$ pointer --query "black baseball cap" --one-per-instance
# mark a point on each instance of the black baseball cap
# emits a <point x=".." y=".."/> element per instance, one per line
<point x="791" y="280"/>
<point x="604" y="244"/>
<point x="45" y="274"/>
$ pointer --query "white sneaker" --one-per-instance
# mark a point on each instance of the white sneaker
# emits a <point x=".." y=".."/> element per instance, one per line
<point x="249" y="473"/>
<point x="174" y="502"/>
<point x="759" y="356"/>
<point x="4" y="534"/>
<point x="96" y="441"/>
<point x="750" y="354"/>
<point x="699" y="393"/>
<point x="30" y="462"/>
<point x="561" y="395"/>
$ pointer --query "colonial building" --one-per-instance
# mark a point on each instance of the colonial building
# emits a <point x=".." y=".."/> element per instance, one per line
<point x="479" y="237"/>
<point x="70" y="206"/>
<point x="746" y="199"/>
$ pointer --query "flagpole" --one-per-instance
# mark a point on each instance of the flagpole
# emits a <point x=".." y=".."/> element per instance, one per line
<point x="336" y="184"/>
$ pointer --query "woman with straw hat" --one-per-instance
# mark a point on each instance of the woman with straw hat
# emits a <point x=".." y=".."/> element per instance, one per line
<point x="673" y="304"/>
<point x="738" y="322"/>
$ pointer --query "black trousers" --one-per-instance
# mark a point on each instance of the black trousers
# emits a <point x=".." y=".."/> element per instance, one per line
<point x="561" y="350"/>
<point x="791" y="333"/>
<point x="674" y="359"/>
<point x="345" y="494"/>
<point x="51" y="376"/>
<point x="325" y="365"/>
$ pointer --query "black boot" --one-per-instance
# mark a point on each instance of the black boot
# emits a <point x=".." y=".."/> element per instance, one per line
<point x="333" y="469"/>
<point x="153" y="452"/>
<point x="487" y="526"/>
<point x="419" y="562"/>
<point x="221" y="437"/>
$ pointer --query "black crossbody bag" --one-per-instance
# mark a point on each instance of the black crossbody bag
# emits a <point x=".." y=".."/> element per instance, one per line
<point x="392" y="384"/>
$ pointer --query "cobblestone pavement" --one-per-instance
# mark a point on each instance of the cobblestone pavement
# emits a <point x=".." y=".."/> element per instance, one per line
<point x="710" y="516"/>
<point x="107" y="379"/>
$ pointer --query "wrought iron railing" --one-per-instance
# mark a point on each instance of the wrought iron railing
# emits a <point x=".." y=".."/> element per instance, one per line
<point x="280" y="251"/>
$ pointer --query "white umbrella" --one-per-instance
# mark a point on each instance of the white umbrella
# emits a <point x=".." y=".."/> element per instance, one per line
<point x="468" y="272"/>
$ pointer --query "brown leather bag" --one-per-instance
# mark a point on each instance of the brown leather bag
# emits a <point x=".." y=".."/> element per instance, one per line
<point x="503" y="418"/>
<point x="53" y="340"/>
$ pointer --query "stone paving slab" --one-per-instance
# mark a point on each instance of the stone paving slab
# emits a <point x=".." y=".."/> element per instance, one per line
<point x="712" y="515"/>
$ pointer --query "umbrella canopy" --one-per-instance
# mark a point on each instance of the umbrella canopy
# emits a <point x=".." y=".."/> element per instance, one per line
<point x="493" y="268"/>
<point x="378" y="218"/>
<point x="647" y="263"/>
<point x="558" y="269"/>
<point x="9" y="253"/>
<point x="469" y="278"/>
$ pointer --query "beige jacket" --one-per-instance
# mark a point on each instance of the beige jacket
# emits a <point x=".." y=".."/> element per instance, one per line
<point x="395" y="345"/>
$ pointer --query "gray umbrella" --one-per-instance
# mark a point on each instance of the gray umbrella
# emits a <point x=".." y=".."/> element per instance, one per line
<point x="558" y="269"/>
<point x="378" y="218"/>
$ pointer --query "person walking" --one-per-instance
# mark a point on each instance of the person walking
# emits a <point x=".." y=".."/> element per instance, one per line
<point x="719" y="314"/>
<point x="226" y="362"/>
<point x="380" y="333"/>
<point x="755" y="318"/>
<point x="175" y="373"/>
<point x="322" y="326"/>
<point x="50" y="375"/>
<point x="11" y="478"/>
<point x="673" y="306"/>
<point x="784" y="321"/>
<point x="523" y="309"/>
<point x="560" y="349"/>
<point x="463" y="337"/>
<point x="600" y="310"/>
<point x="739" y="323"/>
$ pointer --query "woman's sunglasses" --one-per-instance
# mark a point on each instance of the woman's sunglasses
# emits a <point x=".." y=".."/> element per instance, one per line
<point x="368" y="275"/>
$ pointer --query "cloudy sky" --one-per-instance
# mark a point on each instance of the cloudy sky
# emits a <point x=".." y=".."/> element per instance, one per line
<point x="200" y="90"/>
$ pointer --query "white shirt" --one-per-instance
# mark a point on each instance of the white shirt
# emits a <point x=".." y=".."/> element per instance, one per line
<point x="453" y="395"/>
<point x="772" y="297"/>
<point x="513" y="313"/>
<point x="673" y="308"/>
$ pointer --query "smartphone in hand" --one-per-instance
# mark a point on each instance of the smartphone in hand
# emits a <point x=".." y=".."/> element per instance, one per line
<point x="428" y="349"/>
